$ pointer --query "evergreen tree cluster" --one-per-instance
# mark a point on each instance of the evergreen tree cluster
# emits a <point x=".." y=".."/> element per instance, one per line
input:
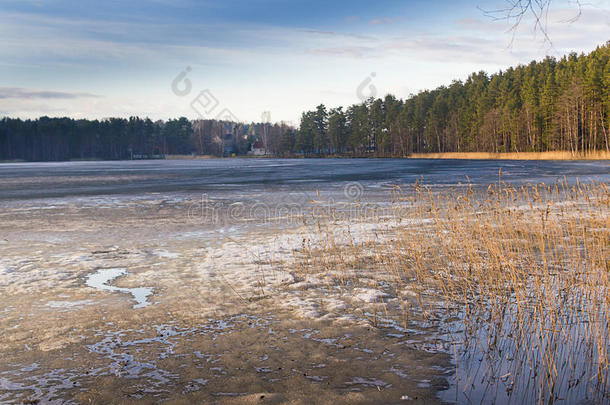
<point x="544" y="106"/>
<point x="57" y="139"/>
<point x="51" y="139"/>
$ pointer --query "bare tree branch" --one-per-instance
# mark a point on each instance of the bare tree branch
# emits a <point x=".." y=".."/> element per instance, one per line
<point x="516" y="10"/>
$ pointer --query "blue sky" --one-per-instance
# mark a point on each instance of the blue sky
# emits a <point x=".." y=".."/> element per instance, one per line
<point x="95" y="59"/>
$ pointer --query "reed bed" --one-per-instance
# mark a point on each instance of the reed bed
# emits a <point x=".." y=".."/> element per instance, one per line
<point x="552" y="155"/>
<point x="515" y="281"/>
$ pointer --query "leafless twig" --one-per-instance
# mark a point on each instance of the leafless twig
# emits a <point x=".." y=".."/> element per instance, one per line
<point x="516" y="10"/>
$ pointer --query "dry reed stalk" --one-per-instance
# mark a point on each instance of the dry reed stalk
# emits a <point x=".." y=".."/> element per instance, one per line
<point x="522" y="272"/>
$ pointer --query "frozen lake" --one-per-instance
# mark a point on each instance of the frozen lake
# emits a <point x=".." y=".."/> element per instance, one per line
<point x="174" y="280"/>
<point x="226" y="176"/>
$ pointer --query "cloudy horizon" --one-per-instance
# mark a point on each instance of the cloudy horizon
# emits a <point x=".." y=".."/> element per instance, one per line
<point x="97" y="60"/>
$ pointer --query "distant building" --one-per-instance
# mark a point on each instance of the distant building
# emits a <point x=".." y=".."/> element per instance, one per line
<point x="258" y="149"/>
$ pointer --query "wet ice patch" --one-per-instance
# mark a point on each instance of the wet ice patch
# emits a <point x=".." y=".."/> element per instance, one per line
<point x="368" y="382"/>
<point x="44" y="389"/>
<point x="165" y="254"/>
<point x="103" y="277"/>
<point x="194" y="385"/>
<point x="369" y="295"/>
<point x="68" y="304"/>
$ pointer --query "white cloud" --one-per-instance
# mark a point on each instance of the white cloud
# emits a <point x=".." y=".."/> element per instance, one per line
<point x="479" y="41"/>
<point x="387" y="20"/>
<point x="21" y="93"/>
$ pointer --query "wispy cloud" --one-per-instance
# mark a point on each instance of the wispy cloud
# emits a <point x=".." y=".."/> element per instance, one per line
<point x="481" y="42"/>
<point x="478" y="25"/>
<point x="424" y="48"/>
<point x="387" y="20"/>
<point x="345" y="51"/>
<point x="338" y="34"/>
<point x="28" y="94"/>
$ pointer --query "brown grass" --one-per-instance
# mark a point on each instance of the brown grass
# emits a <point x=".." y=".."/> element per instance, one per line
<point x="188" y="157"/>
<point x="519" y="276"/>
<point x="557" y="155"/>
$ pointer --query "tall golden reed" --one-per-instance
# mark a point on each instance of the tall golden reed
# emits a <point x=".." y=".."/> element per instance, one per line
<point x="517" y="279"/>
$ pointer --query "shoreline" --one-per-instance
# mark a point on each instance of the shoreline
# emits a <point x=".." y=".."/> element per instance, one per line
<point x="557" y="155"/>
<point x="541" y="156"/>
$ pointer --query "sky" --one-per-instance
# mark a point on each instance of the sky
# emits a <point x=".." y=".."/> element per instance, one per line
<point x="258" y="60"/>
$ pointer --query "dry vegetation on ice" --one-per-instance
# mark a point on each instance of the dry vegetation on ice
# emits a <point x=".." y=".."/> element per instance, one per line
<point x="555" y="155"/>
<point x="517" y="281"/>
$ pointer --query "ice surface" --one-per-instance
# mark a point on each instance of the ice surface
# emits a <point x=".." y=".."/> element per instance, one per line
<point x="101" y="279"/>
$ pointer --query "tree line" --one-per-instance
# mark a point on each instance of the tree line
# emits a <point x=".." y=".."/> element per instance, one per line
<point x="56" y="139"/>
<point x="543" y="106"/>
